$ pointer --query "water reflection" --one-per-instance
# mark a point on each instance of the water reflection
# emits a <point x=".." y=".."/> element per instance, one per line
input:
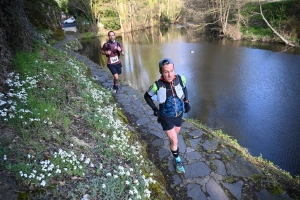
<point x="249" y="90"/>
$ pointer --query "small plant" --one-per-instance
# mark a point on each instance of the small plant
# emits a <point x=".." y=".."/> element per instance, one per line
<point x="275" y="189"/>
<point x="257" y="178"/>
<point x="213" y="166"/>
<point x="229" y="180"/>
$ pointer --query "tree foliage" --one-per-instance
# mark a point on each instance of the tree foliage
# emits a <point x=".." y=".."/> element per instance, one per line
<point x="124" y="14"/>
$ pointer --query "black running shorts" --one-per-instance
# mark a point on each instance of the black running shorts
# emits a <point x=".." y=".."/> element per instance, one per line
<point x="168" y="123"/>
<point x="115" y="69"/>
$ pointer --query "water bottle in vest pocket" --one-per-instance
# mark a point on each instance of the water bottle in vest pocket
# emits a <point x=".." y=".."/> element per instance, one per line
<point x="161" y="95"/>
<point x="179" y="91"/>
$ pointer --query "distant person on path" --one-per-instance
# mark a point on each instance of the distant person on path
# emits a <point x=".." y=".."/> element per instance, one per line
<point x="113" y="49"/>
<point x="172" y="97"/>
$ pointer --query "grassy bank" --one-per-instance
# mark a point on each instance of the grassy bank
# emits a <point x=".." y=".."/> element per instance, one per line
<point x="282" y="15"/>
<point x="64" y="137"/>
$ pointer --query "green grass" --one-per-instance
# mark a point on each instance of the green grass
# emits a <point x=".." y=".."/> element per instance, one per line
<point x="87" y="35"/>
<point x="283" y="17"/>
<point x="51" y="102"/>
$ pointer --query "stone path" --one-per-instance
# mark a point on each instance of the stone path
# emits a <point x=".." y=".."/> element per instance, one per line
<point x="213" y="172"/>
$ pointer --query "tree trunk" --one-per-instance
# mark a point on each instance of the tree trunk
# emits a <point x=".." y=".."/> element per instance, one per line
<point x="269" y="25"/>
<point x="120" y="18"/>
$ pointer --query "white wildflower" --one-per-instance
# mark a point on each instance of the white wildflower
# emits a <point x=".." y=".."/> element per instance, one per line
<point x="43" y="183"/>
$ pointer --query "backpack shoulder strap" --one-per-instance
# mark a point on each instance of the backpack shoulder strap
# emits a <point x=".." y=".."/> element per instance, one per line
<point x="159" y="84"/>
<point x="180" y="80"/>
<point x="107" y="45"/>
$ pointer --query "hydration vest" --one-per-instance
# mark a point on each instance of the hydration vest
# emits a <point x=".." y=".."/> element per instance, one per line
<point x="108" y="47"/>
<point x="162" y="91"/>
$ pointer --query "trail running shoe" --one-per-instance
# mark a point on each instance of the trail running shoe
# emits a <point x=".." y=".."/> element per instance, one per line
<point x="179" y="166"/>
<point x="116" y="87"/>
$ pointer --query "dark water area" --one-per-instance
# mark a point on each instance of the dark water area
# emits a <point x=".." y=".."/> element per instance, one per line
<point x="249" y="90"/>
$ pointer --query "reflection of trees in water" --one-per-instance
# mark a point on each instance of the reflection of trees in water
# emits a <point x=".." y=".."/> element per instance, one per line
<point x="92" y="50"/>
<point x="86" y="51"/>
<point x="157" y="35"/>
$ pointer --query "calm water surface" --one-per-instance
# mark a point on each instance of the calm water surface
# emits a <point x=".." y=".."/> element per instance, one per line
<point x="249" y="90"/>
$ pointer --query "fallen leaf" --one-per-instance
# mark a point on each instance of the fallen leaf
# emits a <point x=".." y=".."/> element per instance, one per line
<point x="53" y="181"/>
<point x="31" y="187"/>
<point x="31" y="152"/>
<point x="76" y="178"/>
<point x="62" y="183"/>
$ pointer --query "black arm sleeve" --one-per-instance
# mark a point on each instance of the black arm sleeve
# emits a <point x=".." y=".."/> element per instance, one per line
<point x="150" y="102"/>
<point x="186" y="97"/>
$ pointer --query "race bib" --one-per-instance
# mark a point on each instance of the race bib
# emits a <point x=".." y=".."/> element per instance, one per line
<point x="114" y="59"/>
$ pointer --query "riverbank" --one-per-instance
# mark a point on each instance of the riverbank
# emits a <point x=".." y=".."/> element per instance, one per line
<point x="204" y="151"/>
<point x="77" y="112"/>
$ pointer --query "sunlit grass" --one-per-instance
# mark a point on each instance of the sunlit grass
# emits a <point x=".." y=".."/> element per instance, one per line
<point x="49" y="100"/>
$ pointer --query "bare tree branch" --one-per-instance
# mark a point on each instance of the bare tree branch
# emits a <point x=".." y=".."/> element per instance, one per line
<point x="269" y="25"/>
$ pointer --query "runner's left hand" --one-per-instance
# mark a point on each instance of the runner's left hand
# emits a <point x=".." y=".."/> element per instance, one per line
<point x="187" y="107"/>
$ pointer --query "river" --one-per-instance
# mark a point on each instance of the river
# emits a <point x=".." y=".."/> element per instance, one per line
<point x="249" y="90"/>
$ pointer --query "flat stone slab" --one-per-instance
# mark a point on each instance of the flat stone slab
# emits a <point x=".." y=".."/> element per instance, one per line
<point x="124" y="101"/>
<point x="194" y="155"/>
<point x="157" y="133"/>
<point x="241" y="167"/>
<point x="137" y="102"/>
<point x="195" y="192"/>
<point x="126" y="88"/>
<point x="132" y="92"/>
<point x="197" y="169"/>
<point x="177" y="179"/>
<point x="210" y="145"/>
<point x="227" y="152"/>
<point x="265" y="195"/>
<point x="142" y="121"/>
<point x="158" y="142"/>
<point x="162" y="153"/>
<point x="195" y="142"/>
<point x="235" y="189"/>
<point x="187" y="125"/>
<point x="215" y="191"/>
<point x="220" y="167"/>
<point x="196" y="133"/>
<point x="181" y="144"/>
<point x="128" y="108"/>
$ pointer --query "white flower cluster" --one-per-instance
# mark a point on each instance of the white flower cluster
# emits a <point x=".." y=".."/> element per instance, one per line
<point x="99" y="95"/>
<point x="60" y="162"/>
<point x="18" y="93"/>
<point x="120" y="143"/>
<point x="71" y="158"/>
<point x="64" y="162"/>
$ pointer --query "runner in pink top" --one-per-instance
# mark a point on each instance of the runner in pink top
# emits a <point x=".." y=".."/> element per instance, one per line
<point x="113" y="49"/>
